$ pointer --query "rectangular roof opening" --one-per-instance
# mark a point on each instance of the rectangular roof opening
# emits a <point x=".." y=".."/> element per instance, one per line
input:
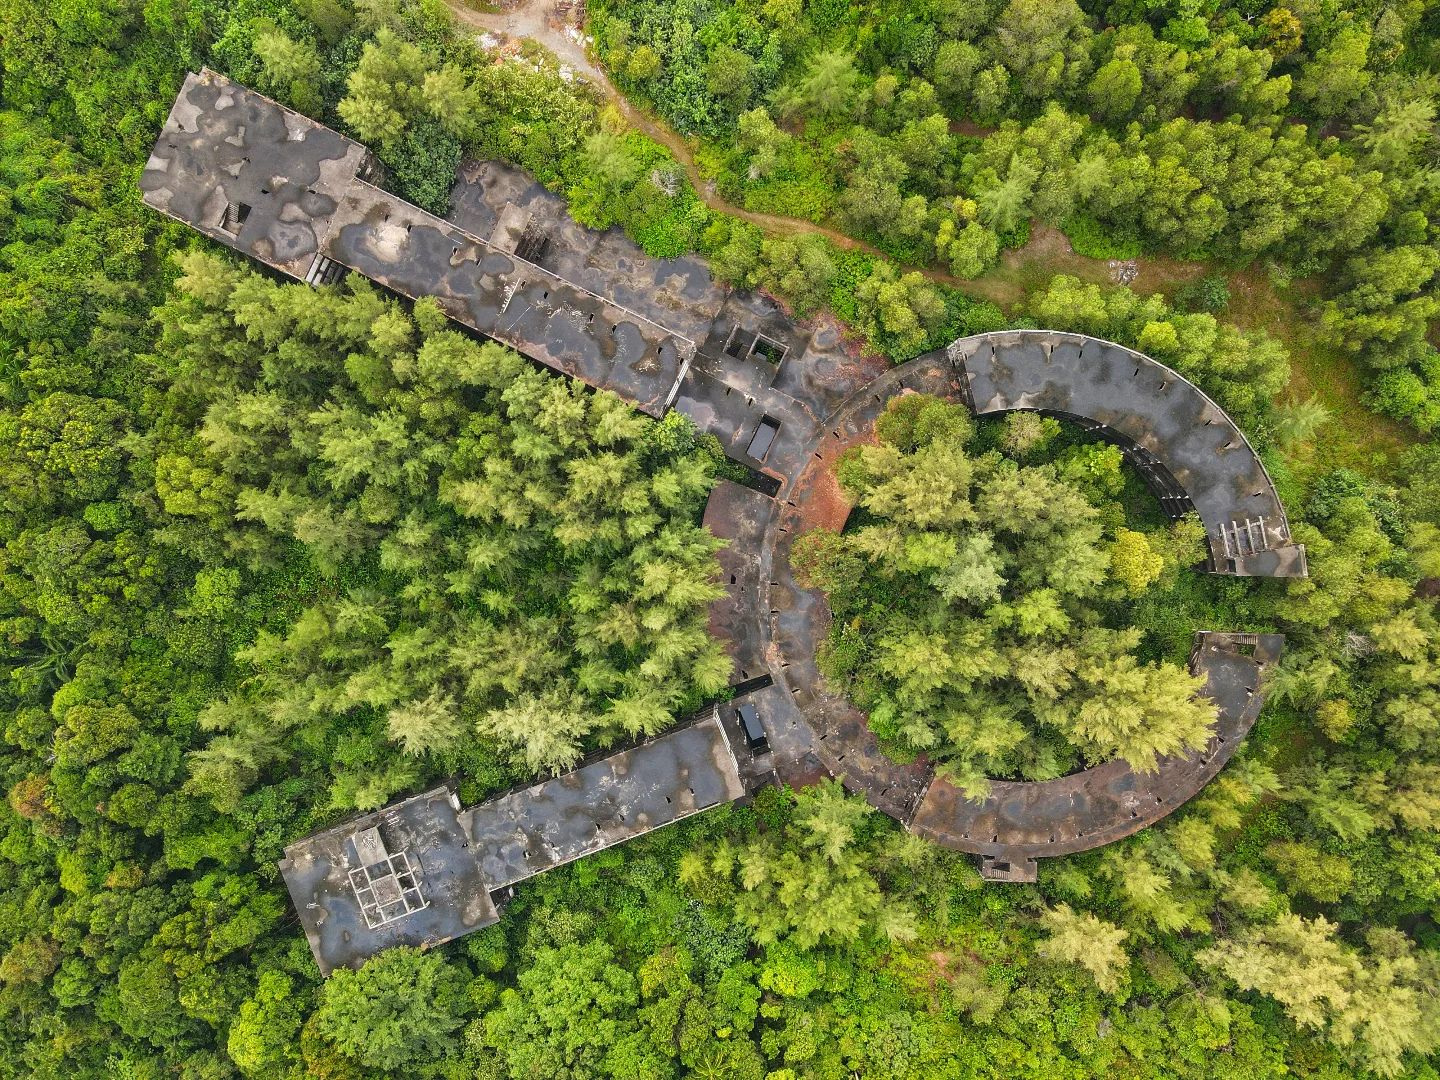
<point x="769" y="348"/>
<point x="234" y="217"/>
<point x="764" y="436"/>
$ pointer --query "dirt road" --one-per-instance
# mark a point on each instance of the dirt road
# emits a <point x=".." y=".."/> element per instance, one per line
<point x="558" y="27"/>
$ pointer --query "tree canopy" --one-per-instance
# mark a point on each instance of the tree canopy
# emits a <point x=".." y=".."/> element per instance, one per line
<point x="967" y="598"/>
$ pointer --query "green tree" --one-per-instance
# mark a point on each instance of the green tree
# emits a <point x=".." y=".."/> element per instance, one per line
<point x="570" y="1016"/>
<point x="965" y="617"/>
<point x="900" y="311"/>
<point x="1081" y="938"/>
<point x="289" y="67"/>
<point x="811" y="885"/>
<point x="1043" y="44"/>
<point x="1114" y="89"/>
<point x="1399" y="130"/>
<point x="1005" y="204"/>
<point x="826" y="89"/>
<point x="264" y="1038"/>
<point x="396" y="1012"/>
<point x="763" y="140"/>
<point x="385" y="91"/>
<point x="1336" y="75"/>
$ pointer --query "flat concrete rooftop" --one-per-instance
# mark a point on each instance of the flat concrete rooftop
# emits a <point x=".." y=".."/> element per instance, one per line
<point x="331" y="882"/>
<point x="602" y="804"/>
<point x="421" y="872"/>
<point x="250" y="173"/>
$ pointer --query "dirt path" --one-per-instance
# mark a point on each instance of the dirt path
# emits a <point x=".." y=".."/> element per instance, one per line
<point x="556" y="25"/>
<point x="543" y="22"/>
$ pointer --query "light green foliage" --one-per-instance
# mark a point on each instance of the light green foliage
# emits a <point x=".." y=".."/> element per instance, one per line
<point x="263" y="1039"/>
<point x="814" y="884"/>
<point x="827" y="88"/>
<point x="399" y="1009"/>
<point x="1312" y="872"/>
<point x="1005" y="200"/>
<point x="385" y="89"/>
<point x="1383" y="1009"/>
<point x="571" y="1017"/>
<point x="1029" y="433"/>
<point x="758" y="134"/>
<point x="970" y="248"/>
<point x="964" y="617"/>
<point x="289" y="67"/>
<point x="799" y="267"/>
<point x="144" y="934"/>
<point x="1336" y="75"/>
<point x="1301" y="421"/>
<point x="492" y="516"/>
<point x="1114" y="89"/>
<point x="1133" y="562"/>
<point x="1081" y="938"/>
<point x="1401" y="127"/>
<point x="1042" y="44"/>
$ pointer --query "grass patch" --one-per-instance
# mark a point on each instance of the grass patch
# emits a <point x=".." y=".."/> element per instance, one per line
<point x="1356" y="437"/>
<point x="1091" y="239"/>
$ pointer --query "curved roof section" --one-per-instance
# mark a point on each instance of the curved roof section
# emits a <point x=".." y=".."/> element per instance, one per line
<point x="1019" y="822"/>
<point x="783" y="397"/>
<point x="1172" y="431"/>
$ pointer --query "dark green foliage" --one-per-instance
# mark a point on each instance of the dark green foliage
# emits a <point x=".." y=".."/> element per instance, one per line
<point x="1209" y="293"/>
<point x="144" y="933"/>
<point x="1201" y="134"/>
<point x="1088" y="237"/>
<point x="398" y="1011"/>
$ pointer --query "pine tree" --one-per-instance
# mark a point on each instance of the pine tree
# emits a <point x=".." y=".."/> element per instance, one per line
<point x="426" y="724"/>
<point x="289" y="66"/>
<point x="1081" y="938"/>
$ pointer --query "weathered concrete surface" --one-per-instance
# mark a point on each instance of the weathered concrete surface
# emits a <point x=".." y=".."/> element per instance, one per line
<point x="460" y="857"/>
<point x="426" y="827"/>
<point x="602" y="804"/>
<point x="1185" y="445"/>
<point x="797" y="619"/>
<point x="224" y="146"/>
<point x="564" y="326"/>
<point x="739" y="516"/>
<point x="1018" y="823"/>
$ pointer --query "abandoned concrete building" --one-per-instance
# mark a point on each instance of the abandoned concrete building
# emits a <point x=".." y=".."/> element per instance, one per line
<point x="784" y="399"/>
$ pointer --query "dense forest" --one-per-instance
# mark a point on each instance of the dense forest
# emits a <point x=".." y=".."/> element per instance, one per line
<point x="263" y="548"/>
